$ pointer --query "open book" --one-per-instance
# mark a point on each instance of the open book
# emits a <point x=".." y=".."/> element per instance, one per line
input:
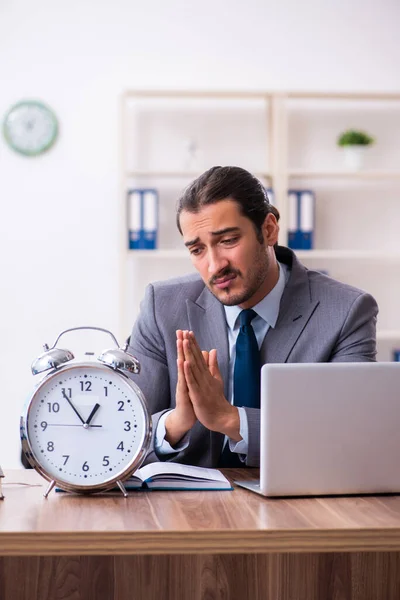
<point x="174" y="476"/>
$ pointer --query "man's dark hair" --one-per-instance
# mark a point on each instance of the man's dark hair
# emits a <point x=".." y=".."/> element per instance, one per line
<point x="220" y="183"/>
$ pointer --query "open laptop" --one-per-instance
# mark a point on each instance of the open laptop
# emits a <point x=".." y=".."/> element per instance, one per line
<point x="329" y="429"/>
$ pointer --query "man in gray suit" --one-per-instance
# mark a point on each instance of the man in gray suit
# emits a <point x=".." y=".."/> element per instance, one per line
<point x="185" y="336"/>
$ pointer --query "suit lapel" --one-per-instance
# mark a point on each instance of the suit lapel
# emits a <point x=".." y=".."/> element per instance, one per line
<point x="207" y="321"/>
<point x="295" y="310"/>
<point x="279" y="342"/>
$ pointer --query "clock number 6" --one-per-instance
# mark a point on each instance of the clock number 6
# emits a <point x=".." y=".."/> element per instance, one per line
<point x="85" y="466"/>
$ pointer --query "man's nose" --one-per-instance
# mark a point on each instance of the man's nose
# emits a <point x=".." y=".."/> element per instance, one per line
<point x="216" y="262"/>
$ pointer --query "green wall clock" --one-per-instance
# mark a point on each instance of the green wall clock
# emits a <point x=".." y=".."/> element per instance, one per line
<point x="30" y="127"/>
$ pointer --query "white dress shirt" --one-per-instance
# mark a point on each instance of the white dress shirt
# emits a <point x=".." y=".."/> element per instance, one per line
<point x="267" y="315"/>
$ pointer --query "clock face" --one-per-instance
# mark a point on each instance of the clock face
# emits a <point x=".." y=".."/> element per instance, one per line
<point x="30" y="127"/>
<point x="87" y="426"/>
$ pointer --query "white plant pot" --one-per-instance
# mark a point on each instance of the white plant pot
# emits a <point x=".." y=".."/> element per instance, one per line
<point x="354" y="157"/>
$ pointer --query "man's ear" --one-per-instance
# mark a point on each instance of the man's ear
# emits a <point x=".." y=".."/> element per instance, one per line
<point x="270" y="230"/>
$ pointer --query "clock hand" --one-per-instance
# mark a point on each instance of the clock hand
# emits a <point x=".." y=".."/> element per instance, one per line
<point x="72" y="406"/>
<point x="94" y="411"/>
<point x="68" y="425"/>
<point x="63" y="425"/>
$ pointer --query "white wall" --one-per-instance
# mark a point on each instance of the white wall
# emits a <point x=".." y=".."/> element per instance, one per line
<point x="59" y="221"/>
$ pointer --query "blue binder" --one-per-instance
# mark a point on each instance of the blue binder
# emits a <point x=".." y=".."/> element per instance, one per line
<point x="301" y="219"/>
<point x="294" y="238"/>
<point x="142" y="218"/>
<point x="270" y="195"/>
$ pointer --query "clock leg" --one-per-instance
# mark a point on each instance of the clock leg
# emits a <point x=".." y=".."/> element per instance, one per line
<point x="122" y="488"/>
<point x="51" y="485"/>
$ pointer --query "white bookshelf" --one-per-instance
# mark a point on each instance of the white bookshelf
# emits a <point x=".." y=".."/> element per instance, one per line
<point x="287" y="139"/>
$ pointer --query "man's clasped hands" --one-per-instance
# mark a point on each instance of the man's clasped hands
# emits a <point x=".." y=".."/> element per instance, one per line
<point x="199" y="393"/>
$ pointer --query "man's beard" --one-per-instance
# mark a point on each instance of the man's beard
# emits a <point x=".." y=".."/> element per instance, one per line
<point x="255" y="278"/>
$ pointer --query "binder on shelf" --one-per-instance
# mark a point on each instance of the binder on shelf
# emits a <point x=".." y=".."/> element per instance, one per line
<point x="396" y="355"/>
<point x="307" y="218"/>
<point x="150" y="218"/>
<point x="142" y="218"/>
<point x="270" y="195"/>
<point x="294" y="239"/>
<point x="301" y="222"/>
<point x="134" y="218"/>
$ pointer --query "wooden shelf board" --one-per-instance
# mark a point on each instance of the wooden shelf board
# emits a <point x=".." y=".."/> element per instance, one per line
<point x="159" y="254"/>
<point x="300" y="173"/>
<point x="161" y="174"/>
<point x="344" y="95"/>
<point x="246" y="95"/>
<point x="301" y="254"/>
<point x="346" y="255"/>
<point x="178" y="174"/>
<point x="388" y="334"/>
<point x="299" y="94"/>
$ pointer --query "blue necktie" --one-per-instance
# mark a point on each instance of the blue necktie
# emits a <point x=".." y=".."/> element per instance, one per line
<point x="246" y="377"/>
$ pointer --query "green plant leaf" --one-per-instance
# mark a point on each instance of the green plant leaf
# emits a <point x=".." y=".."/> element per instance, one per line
<point x="354" y="137"/>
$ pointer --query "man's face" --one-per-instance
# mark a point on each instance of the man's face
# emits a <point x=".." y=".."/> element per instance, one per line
<point x="234" y="265"/>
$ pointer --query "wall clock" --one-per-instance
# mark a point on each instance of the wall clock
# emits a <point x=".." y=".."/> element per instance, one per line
<point x="30" y="127"/>
<point x="86" y="427"/>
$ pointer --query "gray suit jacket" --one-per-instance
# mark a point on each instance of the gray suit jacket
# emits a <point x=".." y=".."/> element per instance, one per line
<point x="320" y="320"/>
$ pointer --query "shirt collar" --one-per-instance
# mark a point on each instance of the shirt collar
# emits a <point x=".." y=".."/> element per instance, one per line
<point x="268" y="307"/>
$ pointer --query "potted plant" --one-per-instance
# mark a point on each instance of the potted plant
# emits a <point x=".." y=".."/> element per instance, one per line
<point x="354" y="144"/>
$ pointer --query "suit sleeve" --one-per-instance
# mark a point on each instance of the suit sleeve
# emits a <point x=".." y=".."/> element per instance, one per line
<point x="147" y="345"/>
<point x="357" y="339"/>
<point x="253" y="422"/>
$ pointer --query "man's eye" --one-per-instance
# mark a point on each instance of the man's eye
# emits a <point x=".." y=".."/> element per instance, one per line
<point x="229" y="241"/>
<point x="195" y="251"/>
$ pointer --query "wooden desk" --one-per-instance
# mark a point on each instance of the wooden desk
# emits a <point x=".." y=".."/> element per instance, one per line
<point x="195" y="545"/>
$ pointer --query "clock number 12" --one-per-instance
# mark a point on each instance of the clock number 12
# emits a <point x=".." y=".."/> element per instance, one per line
<point x="86" y="386"/>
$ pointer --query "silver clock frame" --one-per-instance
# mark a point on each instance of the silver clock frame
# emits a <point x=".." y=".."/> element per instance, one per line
<point x="53" y="357"/>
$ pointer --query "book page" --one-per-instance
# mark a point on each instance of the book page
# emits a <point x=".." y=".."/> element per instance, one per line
<point x="181" y="471"/>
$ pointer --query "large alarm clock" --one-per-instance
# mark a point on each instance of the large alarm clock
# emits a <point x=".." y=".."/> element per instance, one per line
<point x="86" y="427"/>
